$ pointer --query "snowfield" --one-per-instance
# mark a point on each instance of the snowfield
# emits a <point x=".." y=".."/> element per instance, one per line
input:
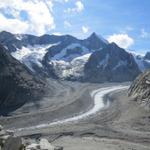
<point x="32" y="55"/>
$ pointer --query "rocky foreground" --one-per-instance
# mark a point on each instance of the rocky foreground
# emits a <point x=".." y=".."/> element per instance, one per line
<point x="10" y="142"/>
<point x="124" y="125"/>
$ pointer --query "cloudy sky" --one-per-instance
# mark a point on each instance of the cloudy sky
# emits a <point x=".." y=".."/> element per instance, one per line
<point x="125" y="22"/>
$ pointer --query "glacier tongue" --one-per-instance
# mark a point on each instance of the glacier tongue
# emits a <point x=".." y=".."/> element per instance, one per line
<point x="70" y="61"/>
<point x="73" y="68"/>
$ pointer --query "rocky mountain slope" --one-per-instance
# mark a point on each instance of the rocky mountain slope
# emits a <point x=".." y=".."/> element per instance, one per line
<point x="17" y="84"/>
<point x="147" y="56"/>
<point x="111" y="64"/>
<point x="140" y="89"/>
<point x="66" y="57"/>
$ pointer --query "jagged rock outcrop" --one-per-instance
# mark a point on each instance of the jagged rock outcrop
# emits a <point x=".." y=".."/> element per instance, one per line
<point x="94" y="42"/>
<point x="17" y="84"/>
<point x="140" y="89"/>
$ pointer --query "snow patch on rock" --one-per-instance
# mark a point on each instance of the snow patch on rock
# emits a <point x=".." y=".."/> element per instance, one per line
<point x="104" y="62"/>
<point x="120" y="63"/>
<point x="19" y="37"/>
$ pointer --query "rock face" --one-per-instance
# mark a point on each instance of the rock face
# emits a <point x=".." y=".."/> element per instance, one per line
<point x="13" y="143"/>
<point x="147" y="56"/>
<point x="17" y="84"/>
<point x="140" y="89"/>
<point x="111" y="63"/>
<point x="95" y="42"/>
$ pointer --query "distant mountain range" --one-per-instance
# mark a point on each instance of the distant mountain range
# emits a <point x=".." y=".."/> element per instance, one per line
<point x="65" y="57"/>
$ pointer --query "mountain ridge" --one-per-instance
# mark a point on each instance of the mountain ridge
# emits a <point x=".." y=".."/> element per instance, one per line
<point x="64" y="57"/>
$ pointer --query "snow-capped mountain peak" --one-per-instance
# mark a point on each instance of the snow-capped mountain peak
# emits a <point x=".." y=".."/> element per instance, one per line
<point x="92" y="59"/>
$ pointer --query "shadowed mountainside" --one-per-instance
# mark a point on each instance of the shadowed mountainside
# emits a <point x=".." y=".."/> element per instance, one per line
<point x="17" y="84"/>
<point x="112" y="64"/>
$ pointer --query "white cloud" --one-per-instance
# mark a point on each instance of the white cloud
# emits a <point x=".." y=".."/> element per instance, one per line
<point x="66" y="1"/>
<point x="14" y="25"/>
<point x="57" y="33"/>
<point x="67" y="24"/>
<point x="85" y="29"/>
<point x="39" y="14"/>
<point x="79" y="7"/>
<point x="144" y="34"/>
<point x="122" y="40"/>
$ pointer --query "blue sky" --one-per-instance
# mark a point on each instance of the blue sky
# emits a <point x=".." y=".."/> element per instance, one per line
<point x="125" y="22"/>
